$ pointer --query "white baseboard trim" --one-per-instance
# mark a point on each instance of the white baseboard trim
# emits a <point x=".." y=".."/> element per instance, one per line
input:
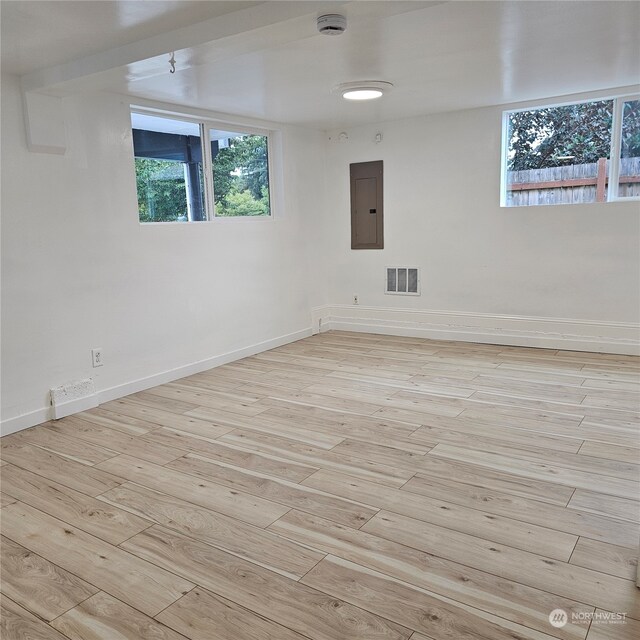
<point x="11" y="425"/>
<point x="196" y="367"/>
<point x="24" y="421"/>
<point x="547" y="333"/>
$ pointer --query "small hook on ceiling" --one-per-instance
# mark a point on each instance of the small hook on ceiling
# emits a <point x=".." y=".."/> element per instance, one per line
<point x="172" y="62"/>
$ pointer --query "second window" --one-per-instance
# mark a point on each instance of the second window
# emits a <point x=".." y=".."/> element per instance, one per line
<point x="174" y="173"/>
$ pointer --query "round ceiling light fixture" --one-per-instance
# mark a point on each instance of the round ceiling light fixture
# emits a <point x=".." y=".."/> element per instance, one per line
<point x="364" y="90"/>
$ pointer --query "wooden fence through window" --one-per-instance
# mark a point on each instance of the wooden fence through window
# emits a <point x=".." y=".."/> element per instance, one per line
<point x="573" y="183"/>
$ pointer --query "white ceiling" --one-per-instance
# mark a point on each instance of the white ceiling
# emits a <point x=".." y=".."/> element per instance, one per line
<point x="42" y="33"/>
<point x="266" y="60"/>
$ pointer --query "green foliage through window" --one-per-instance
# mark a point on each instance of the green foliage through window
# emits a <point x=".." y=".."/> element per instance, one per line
<point x="630" y="135"/>
<point x="175" y="170"/>
<point x="241" y="176"/>
<point x="162" y="195"/>
<point x="560" y="136"/>
<point x="562" y="154"/>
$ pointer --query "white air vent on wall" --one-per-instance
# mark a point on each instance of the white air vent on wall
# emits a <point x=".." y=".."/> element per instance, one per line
<point x="403" y="280"/>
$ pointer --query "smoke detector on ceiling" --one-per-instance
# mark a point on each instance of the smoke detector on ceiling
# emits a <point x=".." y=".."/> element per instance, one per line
<point x="332" y="24"/>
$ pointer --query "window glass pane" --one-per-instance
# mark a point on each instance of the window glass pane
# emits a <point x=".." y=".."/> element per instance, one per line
<point x="240" y="174"/>
<point x="629" y="183"/>
<point x="169" y="177"/>
<point x="558" y="155"/>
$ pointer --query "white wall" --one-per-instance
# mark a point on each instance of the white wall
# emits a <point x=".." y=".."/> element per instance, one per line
<point x="79" y="271"/>
<point x="530" y="265"/>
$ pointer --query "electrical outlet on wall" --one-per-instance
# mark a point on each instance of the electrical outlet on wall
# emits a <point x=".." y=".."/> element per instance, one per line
<point x="355" y="299"/>
<point x="96" y="357"/>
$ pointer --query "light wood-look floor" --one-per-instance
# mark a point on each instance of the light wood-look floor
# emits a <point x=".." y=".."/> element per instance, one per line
<point x="344" y="487"/>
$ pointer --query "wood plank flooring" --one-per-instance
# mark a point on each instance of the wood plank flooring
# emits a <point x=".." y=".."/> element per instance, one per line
<point x="343" y="487"/>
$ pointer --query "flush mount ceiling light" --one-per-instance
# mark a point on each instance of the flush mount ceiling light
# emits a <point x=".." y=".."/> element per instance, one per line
<point x="364" y="90"/>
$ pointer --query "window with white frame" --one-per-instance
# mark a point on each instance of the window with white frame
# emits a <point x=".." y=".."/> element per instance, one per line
<point x="180" y="180"/>
<point x="572" y="153"/>
<point x="240" y="165"/>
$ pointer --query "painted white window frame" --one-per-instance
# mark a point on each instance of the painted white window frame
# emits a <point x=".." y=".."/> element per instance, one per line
<point x="252" y="131"/>
<point x="206" y="125"/>
<point x="614" y="153"/>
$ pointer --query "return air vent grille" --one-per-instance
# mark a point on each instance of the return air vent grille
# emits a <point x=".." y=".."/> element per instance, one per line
<point x="403" y="280"/>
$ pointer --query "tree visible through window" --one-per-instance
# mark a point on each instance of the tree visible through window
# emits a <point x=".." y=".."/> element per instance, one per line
<point x="560" y="136"/>
<point x="169" y="169"/>
<point x="629" y="148"/>
<point x="162" y="196"/>
<point x="240" y="174"/>
<point x="561" y="154"/>
<point x="178" y="180"/>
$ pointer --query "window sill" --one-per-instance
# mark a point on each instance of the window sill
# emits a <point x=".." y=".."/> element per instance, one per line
<point x="224" y="220"/>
